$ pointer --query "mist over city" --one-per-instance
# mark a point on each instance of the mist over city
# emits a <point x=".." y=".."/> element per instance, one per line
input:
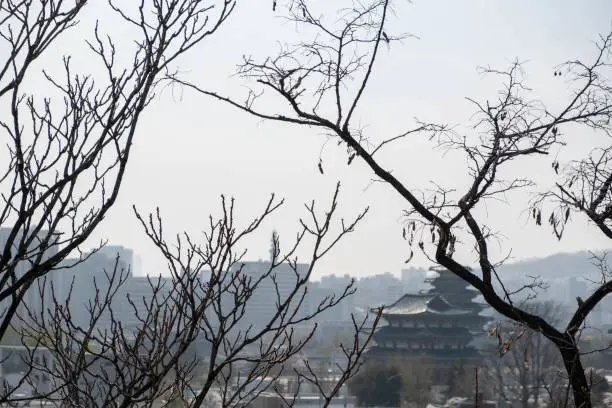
<point x="305" y="203"/>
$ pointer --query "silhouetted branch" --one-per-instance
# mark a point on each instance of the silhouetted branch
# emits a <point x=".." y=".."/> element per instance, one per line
<point x="513" y="126"/>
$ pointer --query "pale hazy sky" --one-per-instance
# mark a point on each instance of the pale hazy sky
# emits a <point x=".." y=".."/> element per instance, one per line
<point x="190" y="150"/>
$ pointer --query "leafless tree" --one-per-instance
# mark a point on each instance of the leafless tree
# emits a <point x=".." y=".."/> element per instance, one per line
<point x="530" y="370"/>
<point x="585" y="187"/>
<point x="322" y="82"/>
<point x="67" y="154"/>
<point x="68" y="145"/>
<point x="418" y="379"/>
<point x="207" y="299"/>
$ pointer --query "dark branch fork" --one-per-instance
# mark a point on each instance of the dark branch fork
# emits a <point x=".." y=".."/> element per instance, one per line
<point x="512" y="127"/>
<point x="67" y="151"/>
<point x="125" y="366"/>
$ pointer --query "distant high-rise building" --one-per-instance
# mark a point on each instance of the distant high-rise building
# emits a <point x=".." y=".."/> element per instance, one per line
<point x="141" y="292"/>
<point x="576" y="288"/>
<point x="332" y="285"/>
<point x="137" y="265"/>
<point x="414" y="279"/>
<point x="33" y="301"/>
<point x="275" y="284"/>
<point x="126" y="255"/>
<point x="377" y="290"/>
<point x="94" y="272"/>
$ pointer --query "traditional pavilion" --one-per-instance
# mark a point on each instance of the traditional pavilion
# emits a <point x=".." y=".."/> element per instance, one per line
<point x="438" y="324"/>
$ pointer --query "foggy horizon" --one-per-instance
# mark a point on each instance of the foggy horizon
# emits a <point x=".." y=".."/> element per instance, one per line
<point x="190" y="149"/>
<point x="306" y="203"/>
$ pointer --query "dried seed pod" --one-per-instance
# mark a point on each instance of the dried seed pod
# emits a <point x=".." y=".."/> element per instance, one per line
<point x="410" y="257"/>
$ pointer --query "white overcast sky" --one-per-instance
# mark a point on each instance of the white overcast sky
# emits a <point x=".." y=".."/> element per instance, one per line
<point x="190" y="150"/>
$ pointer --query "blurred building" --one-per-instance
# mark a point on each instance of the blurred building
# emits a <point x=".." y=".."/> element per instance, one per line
<point x="83" y="283"/>
<point x="39" y="249"/>
<point x="438" y="324"/>
<point x="272" y="285"/>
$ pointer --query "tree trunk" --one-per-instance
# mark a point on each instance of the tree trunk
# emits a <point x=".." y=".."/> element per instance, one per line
<point x="577" y="378"/>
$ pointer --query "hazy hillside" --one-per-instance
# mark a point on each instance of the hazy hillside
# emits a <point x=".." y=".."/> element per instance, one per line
<point x="562" y="265"/>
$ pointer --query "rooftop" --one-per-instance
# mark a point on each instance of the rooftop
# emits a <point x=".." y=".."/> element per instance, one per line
<point x="433" y="354"/>
<point x="389" y="332"/>
<point x="419" y="304"/>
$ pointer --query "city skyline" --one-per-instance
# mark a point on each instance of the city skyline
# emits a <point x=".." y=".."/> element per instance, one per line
<point x="138" y="270"/>
<point x="218" y="203"/>
<point x="429" y="78"/>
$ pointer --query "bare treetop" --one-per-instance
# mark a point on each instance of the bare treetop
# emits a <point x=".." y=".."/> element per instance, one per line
<point x="67" y="156"/>
<point x="321" y="81"/>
